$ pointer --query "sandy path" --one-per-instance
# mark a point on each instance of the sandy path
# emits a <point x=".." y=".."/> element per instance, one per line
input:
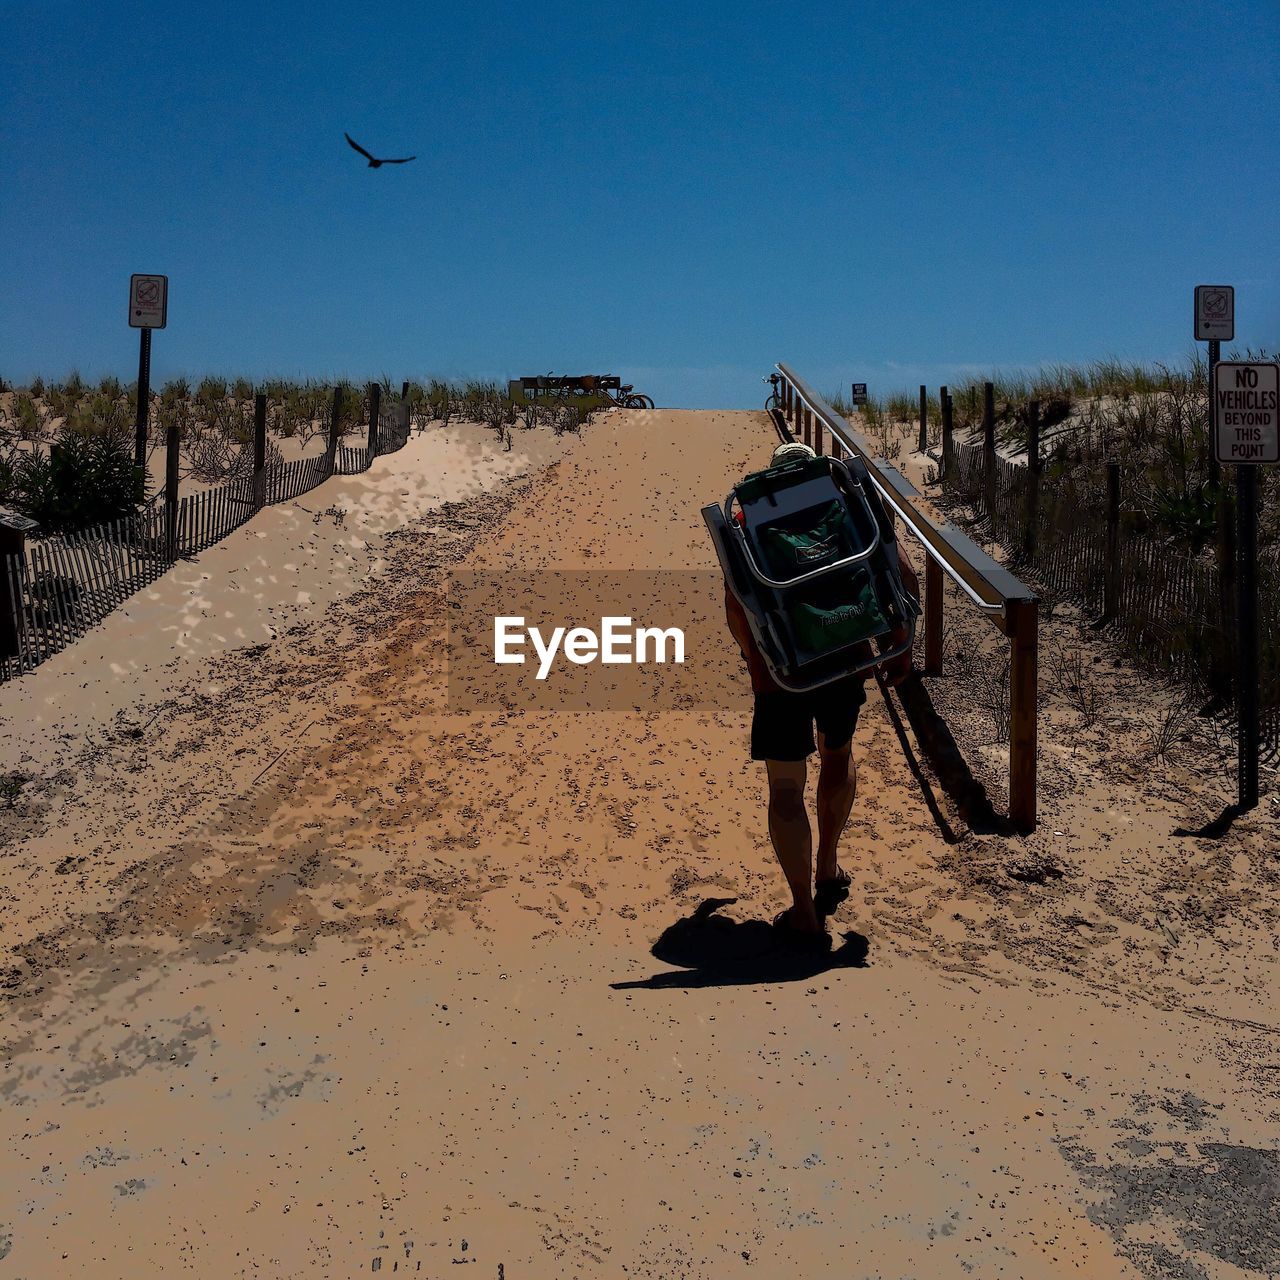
<point x="315" y="975"/>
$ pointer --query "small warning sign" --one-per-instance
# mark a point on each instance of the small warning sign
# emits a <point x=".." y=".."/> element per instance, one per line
<point x="859" y="393"/>
<point x="148" y="301"/>
<point x="1215" y="313"/>
<point x="1246" y="412"/>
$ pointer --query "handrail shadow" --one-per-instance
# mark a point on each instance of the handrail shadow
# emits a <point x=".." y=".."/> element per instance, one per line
<point x="713" y="950"/>
<point x="943" y="753"/>
<point x="1217" y="827"/>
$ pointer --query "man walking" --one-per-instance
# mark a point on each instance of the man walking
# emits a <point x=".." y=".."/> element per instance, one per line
<point x="782" y="735"/>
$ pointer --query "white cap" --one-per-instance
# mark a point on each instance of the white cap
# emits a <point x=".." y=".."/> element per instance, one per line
<point x="791" y="451"/>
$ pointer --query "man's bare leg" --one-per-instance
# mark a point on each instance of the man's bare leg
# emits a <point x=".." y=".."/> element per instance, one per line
<point x="793" y="839"/>
<point x="837" y="786"/>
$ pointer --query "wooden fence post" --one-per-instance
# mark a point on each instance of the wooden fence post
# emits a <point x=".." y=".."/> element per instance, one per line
<point x="989" y="448"/>
<point x="1111" y="576"/>
<point x="404" y="391"/>
<point x="171" y="490"/>
<point x="375" y="407"/>
<point x="817" y="435"/>
<point x="924" y="418"/>
<point x="13" y="538"/>
<point x="945" y="401"/>
<point x="335" y="429"/>
<point x="1022" y="621"/>
<point x="259" y="449"/>
<point x="932" y="616"/>
<point x="1033" y="479"/>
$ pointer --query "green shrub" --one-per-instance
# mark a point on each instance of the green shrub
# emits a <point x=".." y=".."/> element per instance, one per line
<point x="1190" y="518"/>
<point x="86" y="479"/>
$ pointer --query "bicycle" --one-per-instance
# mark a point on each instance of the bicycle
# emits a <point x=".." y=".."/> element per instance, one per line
<point x="627" y="400"/>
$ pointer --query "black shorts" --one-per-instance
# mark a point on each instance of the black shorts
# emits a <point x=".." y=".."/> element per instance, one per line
<point x="782" y="726"/>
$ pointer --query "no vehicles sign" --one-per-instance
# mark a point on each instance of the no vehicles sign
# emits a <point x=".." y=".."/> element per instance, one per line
<point x="1246" y="412"/>
<point x="148" y="301"/>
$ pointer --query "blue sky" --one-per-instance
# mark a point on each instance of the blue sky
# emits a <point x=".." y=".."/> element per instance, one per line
<point x="893" y="192"/>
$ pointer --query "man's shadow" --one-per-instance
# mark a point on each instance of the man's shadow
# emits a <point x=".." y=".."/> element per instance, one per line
<point x="714" y="951"/>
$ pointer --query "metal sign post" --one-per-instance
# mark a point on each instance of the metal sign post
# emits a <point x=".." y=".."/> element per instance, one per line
<point x="1246" y="433"/>
<point x="148" y="309"/>
<point x="1247" y="638"/>
<point x="1215" y="321"/>
<point x="144" y="400"/>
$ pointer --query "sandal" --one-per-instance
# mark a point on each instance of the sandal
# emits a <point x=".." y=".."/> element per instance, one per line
<point x="804" y="939"/>
<point x="828" y="893"/>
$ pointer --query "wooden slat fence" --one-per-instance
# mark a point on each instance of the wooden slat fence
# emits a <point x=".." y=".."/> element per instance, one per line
<point x="352" y="460"/>
<point x="66" y="583"/>
<point x="1167" y="614"/>
<point x="63" y="584"/>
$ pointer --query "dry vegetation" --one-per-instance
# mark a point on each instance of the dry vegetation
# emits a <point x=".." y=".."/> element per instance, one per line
<point x="1152" y="419"/>
<point x="91" y="429"/>
<point x="1175" y="526"/>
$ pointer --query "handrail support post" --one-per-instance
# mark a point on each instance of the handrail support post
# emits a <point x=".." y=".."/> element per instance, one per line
<point x="932" y="616"/>
<point x="1022" y="620"/>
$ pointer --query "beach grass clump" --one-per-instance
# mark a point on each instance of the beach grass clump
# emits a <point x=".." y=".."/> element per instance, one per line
<point x="28" y="418"/>
<point x="83" y="480"/>
<point x="214" y="416"/>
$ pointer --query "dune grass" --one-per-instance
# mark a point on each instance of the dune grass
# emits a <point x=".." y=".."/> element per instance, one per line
<point x="1150" y="418"/>
<point x="213" y="417"/>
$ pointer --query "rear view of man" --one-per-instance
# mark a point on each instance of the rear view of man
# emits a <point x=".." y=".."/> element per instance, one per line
<point x="783" y="736"/>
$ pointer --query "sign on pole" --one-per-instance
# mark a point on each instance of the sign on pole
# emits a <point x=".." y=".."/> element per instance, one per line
<point x="1215" y="313"/>
<point x="148" y="301"/>
<point x="1246" y="412"/>
<point x="1246" y="433"/>
<point x="859" y="393"/>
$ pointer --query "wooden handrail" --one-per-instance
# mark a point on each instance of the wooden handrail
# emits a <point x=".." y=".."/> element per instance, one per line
<point x="985" y="581"/>
<point x="994" y="590"/>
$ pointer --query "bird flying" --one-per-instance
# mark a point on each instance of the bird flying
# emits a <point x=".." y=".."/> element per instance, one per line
<point x="375" y="163"/>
